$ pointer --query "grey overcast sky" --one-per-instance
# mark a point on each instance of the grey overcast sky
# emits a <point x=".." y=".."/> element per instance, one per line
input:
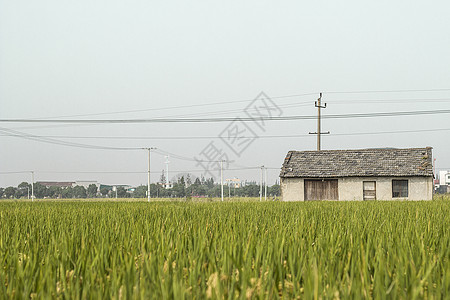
<point x="186" y="58"/>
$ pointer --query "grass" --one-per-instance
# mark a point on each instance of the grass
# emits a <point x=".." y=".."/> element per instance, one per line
<point x="131" y="250"/>
<point x="183" y="199"/>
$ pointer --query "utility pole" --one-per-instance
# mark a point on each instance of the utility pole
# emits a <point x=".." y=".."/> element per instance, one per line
<point x="32" y="186"/>
<point x="319" y="106"/>
<point x="265" y="184"/>
<point x="261" y="184"/>
<point x="434" y="168"/>
<point x="167" y="172"/>
<point x="221" y="178"/>
<point x="148" y="177"/>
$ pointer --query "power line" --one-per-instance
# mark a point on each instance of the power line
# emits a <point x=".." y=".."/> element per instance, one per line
<point x="170" y="116"/>
<point x="132" y="172"/>
<point x="40" y="138"/>
<point x="59" y="142"/>
<point x="19" y="134"/>
<point x="212" y="103"/>
<point x="388" y="91"/>
<point x="390" y="101"/>
<point x="291" y="105"/>
<point x="228" y="119"/>
<point x="209" y="103"/>
<point x="217" y="137"/>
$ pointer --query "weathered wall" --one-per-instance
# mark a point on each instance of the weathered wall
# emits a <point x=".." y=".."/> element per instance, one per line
<point x="292" y="189"/>
<point x="351" y="188"/>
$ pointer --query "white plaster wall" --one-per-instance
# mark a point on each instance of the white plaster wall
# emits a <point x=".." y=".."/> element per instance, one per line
<point x="351" y="188"/>
<point x="292" y="189"/>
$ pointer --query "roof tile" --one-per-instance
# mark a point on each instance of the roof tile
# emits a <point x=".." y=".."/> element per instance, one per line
<point x="362" y="162"/>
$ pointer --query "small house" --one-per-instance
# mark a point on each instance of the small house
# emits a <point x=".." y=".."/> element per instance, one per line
<point x="365" y="174"/>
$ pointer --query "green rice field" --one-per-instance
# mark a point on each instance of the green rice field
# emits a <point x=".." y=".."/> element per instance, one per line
<point x="244" y="250"/>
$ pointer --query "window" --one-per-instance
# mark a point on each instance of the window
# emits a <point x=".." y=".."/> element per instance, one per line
<point x="399" y="188"/>
<point x="369" y="190"/>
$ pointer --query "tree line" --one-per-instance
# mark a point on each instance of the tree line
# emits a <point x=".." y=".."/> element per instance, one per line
<point x="180" y="189"/>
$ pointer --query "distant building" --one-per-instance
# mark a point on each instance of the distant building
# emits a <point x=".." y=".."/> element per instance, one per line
<point x="366" y="174"/>
<point x="87" y="183"/>
<point x="234" y="183"/>
<point x="61" y="184"/>
<point x="444" y="178"/>
<point x="113" y="187"/>
<point x="444" y="182"/>
<point x="166" y="185"/>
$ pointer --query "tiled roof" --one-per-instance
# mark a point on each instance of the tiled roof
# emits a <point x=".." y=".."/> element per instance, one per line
<point x="357" y="163"/>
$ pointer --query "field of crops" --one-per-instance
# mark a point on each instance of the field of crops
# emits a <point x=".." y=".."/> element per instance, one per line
<point x="225" y="250"/>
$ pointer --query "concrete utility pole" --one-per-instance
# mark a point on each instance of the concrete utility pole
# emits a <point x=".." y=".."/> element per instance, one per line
<point x="221" y="178"/>
<point x="265" y="184"/>
<point x="148" y="177"/>
<point x="167" y="172"/>
<point x="261" y="184"/>
<point x="32" y="186"/>
<point x="319" y="106"/>
<point x="434" y="168"/>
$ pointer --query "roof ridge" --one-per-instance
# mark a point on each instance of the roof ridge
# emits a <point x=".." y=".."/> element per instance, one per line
<point x="366" y="149"/>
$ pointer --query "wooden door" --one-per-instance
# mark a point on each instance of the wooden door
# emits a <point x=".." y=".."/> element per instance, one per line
<point x="369" y="190"/>
<point x="318" y="189"/>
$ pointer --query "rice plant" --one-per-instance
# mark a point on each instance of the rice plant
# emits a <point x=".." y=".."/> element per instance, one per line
<point x="163" y="250"/>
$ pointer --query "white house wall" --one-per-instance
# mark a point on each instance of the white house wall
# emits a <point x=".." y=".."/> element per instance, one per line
<point x="351" y="188"/>
<point x="292" y="189"/>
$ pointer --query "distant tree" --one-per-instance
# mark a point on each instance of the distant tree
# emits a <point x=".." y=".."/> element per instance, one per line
<point x="22" y="190"/>
<point x="2" y="190"/>
<point x="104" y="191"/>
<point x="209" y="183"/>
<point x="162" y="178"/>
<point x="24" y="185"/>
<point x="163" y="192"/>
<point x="92" y="191"/>
<point x="198" y="190"/>
<point x="18" y="193"/>
<point x="274" y="190"/>
<point x="67" y="192"/>
<point x="215" y="191"/>
<point x="179" y="188"/>
<point x="54" y="192"/>
<point x="155" y="190"/>
<point x="121" y="192"/>
<point x="140" y="192"/>
<point x="10" y="192"/>
<point x="250" y="190"/>
<point x="40" y="191"/>
<point x="188" y="180"/>
<point x="79" y="192"/>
